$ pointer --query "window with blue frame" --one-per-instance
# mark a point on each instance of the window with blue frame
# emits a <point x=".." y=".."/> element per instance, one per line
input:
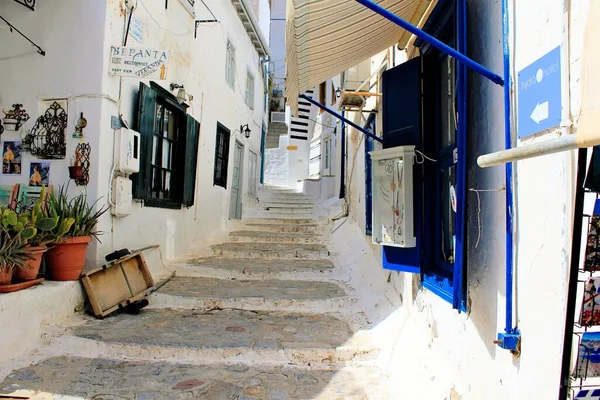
<point x="421" y="103"/>
<point x="369" y="146"/>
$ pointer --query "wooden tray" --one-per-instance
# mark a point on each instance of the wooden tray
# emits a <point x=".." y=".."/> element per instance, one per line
<point x="117" y="284"/>
<point x="20" y="286"/>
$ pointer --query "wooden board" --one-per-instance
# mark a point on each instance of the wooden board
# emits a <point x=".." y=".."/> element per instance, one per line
<point x="117" y="283"/>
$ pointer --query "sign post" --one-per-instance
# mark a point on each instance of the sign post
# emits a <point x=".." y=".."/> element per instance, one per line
<point x="539" y="95"/>
<point x="138" y="62"/>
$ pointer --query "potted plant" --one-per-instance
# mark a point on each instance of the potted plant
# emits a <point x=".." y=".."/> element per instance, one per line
<point x="15" y="118"/>
<point x="66" y="259"/>
<point x="12" y="255"/>
<point x="76" y="168"/>
<point x="35" y="228"/>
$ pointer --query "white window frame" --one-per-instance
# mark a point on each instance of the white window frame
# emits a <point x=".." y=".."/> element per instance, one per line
<point x="327" y="155"/>
<point x="189" y="6"/>
<point x="250" y="81"/>
<point x="230" y="69"/>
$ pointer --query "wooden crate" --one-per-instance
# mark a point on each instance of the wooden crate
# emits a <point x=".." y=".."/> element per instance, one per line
<point x="117" y="284"/>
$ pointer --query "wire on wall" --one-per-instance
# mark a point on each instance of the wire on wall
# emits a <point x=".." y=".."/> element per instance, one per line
<point x="160" y="26"/>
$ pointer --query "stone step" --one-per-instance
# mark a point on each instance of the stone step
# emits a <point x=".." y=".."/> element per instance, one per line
<point x="281" y="215"/>
<point x="252" y="268"/>
<point x="275" y="237"/>
<point x="280" y="221"/>
<point x="279" y="199"/>
<point x="289" y="210"/>
<point x="295" y="228"/>
<point x="270" y="250"/>
<point x="253" y="295"/>
<point x="287" y="205"/>
<point x="220" y="336"/>
<point x="93" y="378"/>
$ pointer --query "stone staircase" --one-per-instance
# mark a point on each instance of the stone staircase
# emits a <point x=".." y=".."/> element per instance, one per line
<point x="261" y="317"/>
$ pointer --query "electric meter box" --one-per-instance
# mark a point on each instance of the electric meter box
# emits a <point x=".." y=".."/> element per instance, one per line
<point x="128" y="151"/>
<point x="122" y="197"/>
<point x="392" y="182"/>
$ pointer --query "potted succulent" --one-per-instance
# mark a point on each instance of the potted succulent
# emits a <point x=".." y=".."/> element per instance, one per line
<point x="36" y="231"/>
<point x="66" y="259"/>
<point x="12" y="255"/>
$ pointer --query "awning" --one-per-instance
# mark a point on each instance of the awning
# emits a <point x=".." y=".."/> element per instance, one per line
<point x="326" y="37"/>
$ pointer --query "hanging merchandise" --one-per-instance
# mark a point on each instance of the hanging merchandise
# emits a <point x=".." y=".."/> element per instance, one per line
<point x="592" y="182"/>
<point x="592" y="250"/>
<point x="11" y="157"/>
<point x="590" y="308"/>
<point x="47" y="138"/>
<point x="15" y="118"/>
<point x="588" y="357"/>
<point x="81" y="123"/>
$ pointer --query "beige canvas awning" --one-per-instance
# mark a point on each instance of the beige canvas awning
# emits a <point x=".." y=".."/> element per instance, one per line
<point x="326" y="37"/>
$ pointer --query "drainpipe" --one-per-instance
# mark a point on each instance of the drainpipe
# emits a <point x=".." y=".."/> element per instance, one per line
<point x="511" y="337"/>
<point x="343" y="161"/>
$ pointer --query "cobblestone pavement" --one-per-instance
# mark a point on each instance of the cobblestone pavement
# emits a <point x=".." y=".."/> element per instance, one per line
<point x="269" y="288"/>
<point x="72" y="377"/>
<point x="219" y="329"/>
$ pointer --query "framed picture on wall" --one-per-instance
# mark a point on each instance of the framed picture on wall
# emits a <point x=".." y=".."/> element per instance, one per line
<point x="39" y="174"/>
<point x="11" y="157"/>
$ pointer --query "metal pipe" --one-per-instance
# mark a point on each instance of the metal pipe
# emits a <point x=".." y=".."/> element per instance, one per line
<point x="343" y="161"/>
<point x="352" y="124"/>
<point x="508" y="170"/>
<point x="433" y="41"/>
<point x="551" y="146"/>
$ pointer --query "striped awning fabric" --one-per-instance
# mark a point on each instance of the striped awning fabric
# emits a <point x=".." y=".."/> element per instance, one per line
<point x="326" y="37"/>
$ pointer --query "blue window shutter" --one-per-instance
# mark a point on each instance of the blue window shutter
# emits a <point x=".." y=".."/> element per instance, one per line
<point x="192" y="134"/>
<point x="145" y="126"/>
<point x="401" y="106"/>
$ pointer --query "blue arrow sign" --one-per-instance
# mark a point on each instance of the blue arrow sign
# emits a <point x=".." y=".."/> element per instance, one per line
<point x="539" y="95"/>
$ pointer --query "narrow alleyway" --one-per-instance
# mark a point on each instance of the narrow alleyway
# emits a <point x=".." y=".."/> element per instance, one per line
<point x="262" y="317"/>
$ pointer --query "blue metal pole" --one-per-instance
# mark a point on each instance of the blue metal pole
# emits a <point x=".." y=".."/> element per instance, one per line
<point x="433" y="41"/>
<point x="343" y="161"/>
<point x="352" y="124"/>
<point x="509" y="172"/>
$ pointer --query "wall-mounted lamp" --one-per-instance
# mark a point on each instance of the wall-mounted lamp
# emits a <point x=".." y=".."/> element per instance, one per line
<point x="338" y="92"/>
<point x="81" y="123"/>
<point x="180" y="92"/>
<point x="245" y="130"/>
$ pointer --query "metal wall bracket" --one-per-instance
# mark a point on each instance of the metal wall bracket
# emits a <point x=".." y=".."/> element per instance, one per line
<point x="12" y="28"/>
<point x="27" y="3"/>
<point x="510" y="341"/>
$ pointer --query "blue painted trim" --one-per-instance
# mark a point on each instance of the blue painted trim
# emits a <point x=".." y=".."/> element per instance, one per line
<point x="509" y="172"/>
<point x="339" y="116"/>
<point x="343" y="161"/>
<point x="460" y="266"/>
<point x="439" y="285"/>
<point x="263" y="141"/>
<point x="433" y="41"/>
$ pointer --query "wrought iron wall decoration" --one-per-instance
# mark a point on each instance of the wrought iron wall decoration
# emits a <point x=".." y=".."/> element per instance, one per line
<point x="15" y="118"/>
<point x="84" y="151"/>
<point x="27" y="3"/>
<point x="47" y="138"/>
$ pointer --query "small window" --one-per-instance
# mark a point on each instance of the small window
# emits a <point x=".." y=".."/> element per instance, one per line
<point x="230" y="67"/>
<point x="221" y="156"/>
<point x="322" y="95"/>
<point x="250" y="90"/>
<point x="327" y="153"/>
<point x="169" y="150"/>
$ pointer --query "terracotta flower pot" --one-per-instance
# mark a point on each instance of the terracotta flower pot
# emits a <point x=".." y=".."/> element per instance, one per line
<point x="66" y="259"/>
<point x="6" y="273"/>
<point x="76" y="172"/>
<point x="31" y="270"/>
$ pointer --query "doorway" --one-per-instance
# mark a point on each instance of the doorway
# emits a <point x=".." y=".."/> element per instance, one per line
<point x="235" y="207"/>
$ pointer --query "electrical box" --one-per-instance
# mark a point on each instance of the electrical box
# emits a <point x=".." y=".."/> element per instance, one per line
<point x="128" y="151"/>
<point x="393" y="212"/>
<point x="122" y="197"/>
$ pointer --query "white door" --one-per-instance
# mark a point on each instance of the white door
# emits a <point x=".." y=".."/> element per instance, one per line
<point x="235" y="207"/>
<point x="252" y="173"/>
<point x="327" y="156"/>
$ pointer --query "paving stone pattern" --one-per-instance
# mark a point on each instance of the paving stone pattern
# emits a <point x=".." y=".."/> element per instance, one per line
<point x="219" y="329"/>
<point x="113" y="379"/>
<point x="210" y="288"/>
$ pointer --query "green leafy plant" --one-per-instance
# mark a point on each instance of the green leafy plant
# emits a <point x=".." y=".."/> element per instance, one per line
<point x="12" y="251"/>
<point x="74" y="216"/>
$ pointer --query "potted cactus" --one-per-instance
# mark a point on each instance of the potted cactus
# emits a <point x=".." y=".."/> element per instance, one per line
<point x="37" y="228"/>
<point x="12" y="255"/>
<point x="66" y="259"/>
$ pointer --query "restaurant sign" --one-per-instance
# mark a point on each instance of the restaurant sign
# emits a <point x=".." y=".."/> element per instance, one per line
<point x="138" y="62"/>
